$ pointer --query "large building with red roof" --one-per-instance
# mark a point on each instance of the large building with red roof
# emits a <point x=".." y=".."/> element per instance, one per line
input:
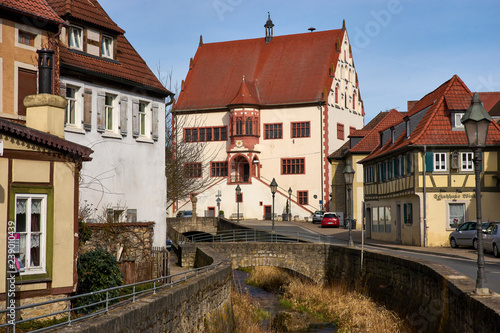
<point x="116" y="105"/>
<point x="419" y="179"/>
<point x="270" y="107"/>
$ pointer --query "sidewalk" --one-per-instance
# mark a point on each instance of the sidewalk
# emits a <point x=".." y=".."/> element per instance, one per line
<point x="343" y="234"/>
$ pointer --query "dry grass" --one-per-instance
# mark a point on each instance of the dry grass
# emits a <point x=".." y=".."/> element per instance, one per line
<point x="352" y="311"/>
<point x="246" y="314"/>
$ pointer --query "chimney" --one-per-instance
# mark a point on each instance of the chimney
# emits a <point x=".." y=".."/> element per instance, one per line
<point x="410" y="105"/>
<point x="269" y="28"/>
<point x="44" y="111"/>
<point x="45" y="58"/>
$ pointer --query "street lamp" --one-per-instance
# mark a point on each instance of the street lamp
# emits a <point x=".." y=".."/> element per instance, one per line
<point x="274" y="188"/>
<point x="289" y="204"/>
<point x="476" y="122"/>
<point x="349" y="177"/>
<point x="238" y="193"/>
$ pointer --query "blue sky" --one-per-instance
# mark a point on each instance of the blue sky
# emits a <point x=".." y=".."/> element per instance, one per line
<point x="403" y="49"/>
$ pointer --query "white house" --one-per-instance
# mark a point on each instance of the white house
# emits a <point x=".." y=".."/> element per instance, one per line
<point x="116" y="107"/>
<point x="265" y="108"/>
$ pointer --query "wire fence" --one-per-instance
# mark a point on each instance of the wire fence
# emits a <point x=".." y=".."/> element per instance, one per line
<point x="95" y="303"/>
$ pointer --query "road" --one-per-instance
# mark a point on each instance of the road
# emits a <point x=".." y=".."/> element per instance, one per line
<point x="461" y="260"/>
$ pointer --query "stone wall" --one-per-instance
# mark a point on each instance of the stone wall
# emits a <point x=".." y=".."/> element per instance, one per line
<point x="201" y="304"/>
<point x="434" y="298"/>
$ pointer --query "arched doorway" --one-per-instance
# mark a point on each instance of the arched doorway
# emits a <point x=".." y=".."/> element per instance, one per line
<point x="240" y="170"/>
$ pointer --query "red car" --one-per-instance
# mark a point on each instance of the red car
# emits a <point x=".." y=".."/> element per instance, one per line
<point x="330" y="220"/>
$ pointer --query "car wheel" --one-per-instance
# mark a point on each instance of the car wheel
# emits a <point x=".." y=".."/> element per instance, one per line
<point x="475" y="244"/>
<point x="495" y="251"/>
<point x="453" y="243"/>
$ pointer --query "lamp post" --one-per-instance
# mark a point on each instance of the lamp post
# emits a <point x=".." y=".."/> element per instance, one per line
<point x="289" y="204"/>
<point x="238" y="193"/>
<point x="476" y="122"/>
<point x="274" y="188"/>
<point x="349" y="177"/>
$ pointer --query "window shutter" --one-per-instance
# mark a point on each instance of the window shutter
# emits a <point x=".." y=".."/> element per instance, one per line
<point x="155" y="122"/>
<point x="404" y="214"/>
<point x="135" y="118"/>
<point x="123" y="115"/>
<point x="100" y="110"/>
<point x="62" y="90"/>
<point x="87" y="109"/>
<point x="429" y="161"/>
<point x="26" y="85"/>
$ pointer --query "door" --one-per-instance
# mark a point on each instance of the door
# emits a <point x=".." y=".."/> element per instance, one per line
<point x="267" y="212"/>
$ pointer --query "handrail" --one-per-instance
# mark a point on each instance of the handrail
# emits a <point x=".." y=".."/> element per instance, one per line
<point x="158" y="283"/>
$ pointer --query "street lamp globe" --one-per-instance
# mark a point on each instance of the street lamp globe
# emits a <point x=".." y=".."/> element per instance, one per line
<point x="348" y="174"/>
<point x="476" y="122"/>
<point x="274" y="186"/>
<point x="238" y="190"/>
<point x="349" y="178"/>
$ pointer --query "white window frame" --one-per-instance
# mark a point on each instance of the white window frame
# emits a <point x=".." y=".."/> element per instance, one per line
<point x="72" y="43"/>
<point x="440" y="161"/>
<point x="107" y="48"/>
<point x="468" y="159"/>
<point x="110" y="125"/>
<point x="458" y="221"/>
<point x="75" y="101"/>
<point x="144" y="121"/>
<point x="43" y="232"/>
<point x="458" y="122"/>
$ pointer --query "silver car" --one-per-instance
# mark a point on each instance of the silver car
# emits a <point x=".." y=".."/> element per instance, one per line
<point x="466" y="235"/>
<point x="491" y="239"/>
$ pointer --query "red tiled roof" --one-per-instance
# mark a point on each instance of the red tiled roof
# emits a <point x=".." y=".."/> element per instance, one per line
<point x="33" y="8"/>
<point x="489" y="99"/>
<point x="246" y="95"/>
<point x="288" y="70"/>
<point x="129" y="67"/>
<point x="44" y="139"/>
<point x="89" y="11"/>
<point x="435" y="127"/>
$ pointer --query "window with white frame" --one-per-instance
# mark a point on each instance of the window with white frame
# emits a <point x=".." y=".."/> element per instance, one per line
<point x="107" y="47"/>
<point x="70" y="115"/>
<point x="31" y="221"/>
<point x="142" y="119"/>
<point x="75" y="38"/>
<point x="458" y="121"/>
<point x="440" y="162"/>
<point x="456" y="214"/>
<point x="109" y="101"/>
<point x="466" y="161"/>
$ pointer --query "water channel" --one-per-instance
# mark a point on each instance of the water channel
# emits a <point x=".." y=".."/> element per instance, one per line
<point x="269" y="302"/>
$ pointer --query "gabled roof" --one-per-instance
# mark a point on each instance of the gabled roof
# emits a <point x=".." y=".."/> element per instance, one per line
<point x="33" y="8"/>
<point x="88" y="11"/>
<point x="129" y="68"/>
<point x="370" y="134"/>
<point x="434" y="128"/>
<point x="291" y="69"/>
<point x="43" y="139"/>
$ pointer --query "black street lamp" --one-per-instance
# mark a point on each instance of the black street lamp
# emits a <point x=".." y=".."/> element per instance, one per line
<point x="290" y="204"/>
<point x="238" y="193"/>
<point x="476" y="122"/>
<point x="274" y="188"/>
<point x="349" y="177"/>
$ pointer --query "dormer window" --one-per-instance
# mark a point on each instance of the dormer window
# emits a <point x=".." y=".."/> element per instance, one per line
<point x="75" y="38"/>
<point x="107" y="47"/>
<point x="408" y="129"/>
<point x="393" y="135"/>
<point x="458" y="122"/>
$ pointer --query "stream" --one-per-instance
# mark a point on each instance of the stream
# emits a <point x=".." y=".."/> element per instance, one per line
<point x="270" y="303"/>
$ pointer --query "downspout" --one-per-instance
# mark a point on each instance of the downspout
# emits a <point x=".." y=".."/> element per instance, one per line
<point x="425" y="197"/>
<point x="321" y="150"/>
<point x="54" y="42"/>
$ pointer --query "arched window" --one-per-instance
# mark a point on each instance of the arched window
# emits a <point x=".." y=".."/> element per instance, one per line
<point x="248" y="126"/>
<point x="354" y="101"/>
<point x="337" y="94"/>
<point x="239" y="126"/>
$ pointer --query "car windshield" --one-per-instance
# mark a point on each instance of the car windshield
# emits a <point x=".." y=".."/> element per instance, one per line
<point x="329" y="215"/>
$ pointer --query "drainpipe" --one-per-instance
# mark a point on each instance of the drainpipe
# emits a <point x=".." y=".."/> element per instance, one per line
<point x="425" y="198"/>
<point x="321" y="150"/>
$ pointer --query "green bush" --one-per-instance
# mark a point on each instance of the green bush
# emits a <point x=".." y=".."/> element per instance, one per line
<point x="97" y="270"/>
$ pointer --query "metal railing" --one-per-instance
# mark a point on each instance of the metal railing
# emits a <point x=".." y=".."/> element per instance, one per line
<point x="107" y="300"/>
<point x="252" y="235"/>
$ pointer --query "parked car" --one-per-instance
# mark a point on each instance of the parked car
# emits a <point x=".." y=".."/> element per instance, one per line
<point x="185" y="213"/>
<point x="491" y="239"/>
<point x="466" y="235"/>
<point x="317" y="216"/>
<point x="330" y="220"/>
